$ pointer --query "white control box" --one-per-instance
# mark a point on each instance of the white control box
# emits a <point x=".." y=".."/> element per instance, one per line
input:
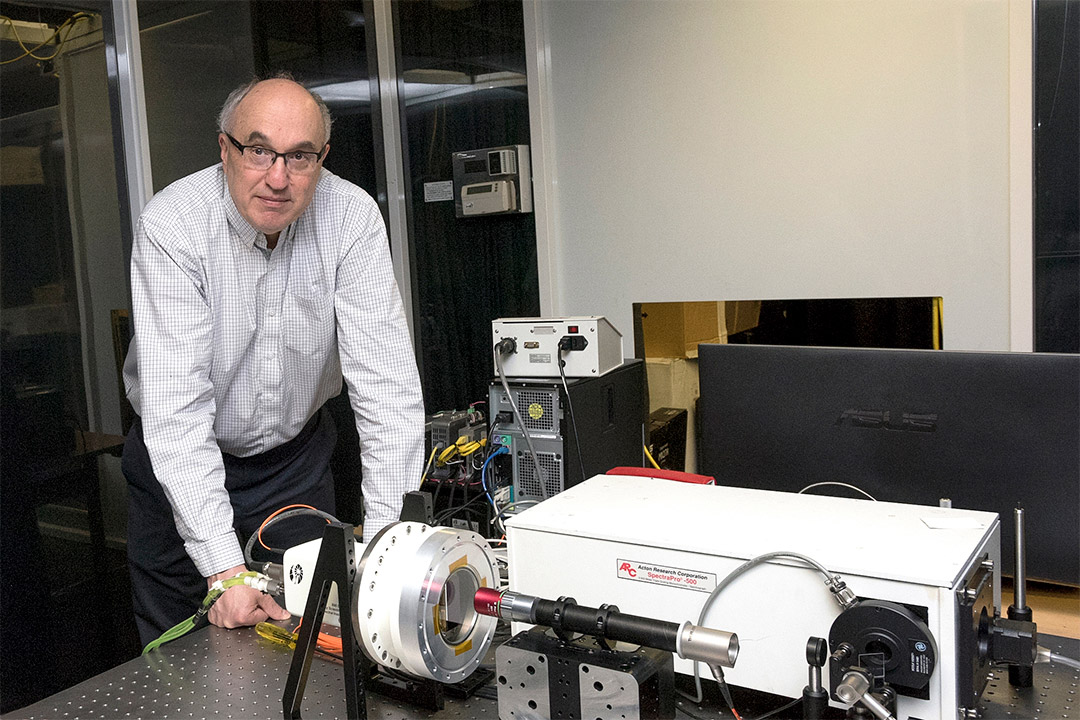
<point x="657" y="548"/>
<point x="597" y="346"/>
<point x="485" y="198"/>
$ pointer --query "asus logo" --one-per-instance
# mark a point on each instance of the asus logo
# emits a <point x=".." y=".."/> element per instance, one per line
<point x="885" y="420"/>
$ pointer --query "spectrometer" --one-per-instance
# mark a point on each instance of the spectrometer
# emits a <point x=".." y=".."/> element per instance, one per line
<point x="906" y="597"/>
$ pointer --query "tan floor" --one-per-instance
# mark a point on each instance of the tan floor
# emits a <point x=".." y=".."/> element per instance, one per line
<point x="1055" y="608"/>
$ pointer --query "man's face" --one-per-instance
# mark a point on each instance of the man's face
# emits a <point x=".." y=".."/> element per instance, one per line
<point x="278" y="115"/>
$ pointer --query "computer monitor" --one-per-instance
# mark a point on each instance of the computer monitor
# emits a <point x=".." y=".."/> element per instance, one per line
<point x="988" y="430"/>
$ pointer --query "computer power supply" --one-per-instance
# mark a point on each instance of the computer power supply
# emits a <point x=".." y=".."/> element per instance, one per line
<point x="609" y="413"/>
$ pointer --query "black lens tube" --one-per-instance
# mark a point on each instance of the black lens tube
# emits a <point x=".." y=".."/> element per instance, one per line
<point x="693" y="642"/>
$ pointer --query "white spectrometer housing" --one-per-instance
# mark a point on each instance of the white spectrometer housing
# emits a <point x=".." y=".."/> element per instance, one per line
<point x="658" y="548"/>
<point x="589" y="345"/>
<point x="412" y="600"/>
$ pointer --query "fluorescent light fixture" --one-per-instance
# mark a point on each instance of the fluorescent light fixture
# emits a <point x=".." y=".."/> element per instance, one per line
<point x="435" y="85"/>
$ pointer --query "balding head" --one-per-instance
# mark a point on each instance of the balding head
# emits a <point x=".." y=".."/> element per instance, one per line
<point x="227" y="115"/>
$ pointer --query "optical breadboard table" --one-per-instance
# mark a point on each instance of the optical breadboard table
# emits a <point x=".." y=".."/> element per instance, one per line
<point x="216" y="673"/>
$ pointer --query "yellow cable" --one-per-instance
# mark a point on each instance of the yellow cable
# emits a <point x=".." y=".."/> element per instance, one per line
<point x="445" y="455"/>
<point x="468" y="447"/>
<point x="937" y="321"/>
<point x="428" y="465"/>
<point x="649" y="455"/>
<point x="69" y="24"/>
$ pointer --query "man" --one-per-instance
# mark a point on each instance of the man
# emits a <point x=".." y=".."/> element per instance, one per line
<point x="256" y="284"/>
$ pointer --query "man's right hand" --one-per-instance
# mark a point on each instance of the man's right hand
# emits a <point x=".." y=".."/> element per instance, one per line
<point x="241" y="605"/>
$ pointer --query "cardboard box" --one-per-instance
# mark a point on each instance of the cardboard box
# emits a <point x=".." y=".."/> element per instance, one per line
<point x="740" y="315"/>
<point x="674" y="329"/>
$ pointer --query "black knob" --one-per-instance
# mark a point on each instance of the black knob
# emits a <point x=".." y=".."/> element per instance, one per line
<point x="817" y="651"/>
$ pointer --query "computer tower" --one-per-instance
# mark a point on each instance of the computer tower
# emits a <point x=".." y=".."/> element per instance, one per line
<point x="667" y="438"/>
<point x="609" y="411"/>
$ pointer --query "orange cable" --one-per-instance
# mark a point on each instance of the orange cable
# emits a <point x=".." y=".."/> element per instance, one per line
<point x="275" y="514"/>
<point x="330" y="643"/>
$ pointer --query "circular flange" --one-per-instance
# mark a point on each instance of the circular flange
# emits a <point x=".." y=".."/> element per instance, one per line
<point x="413" y="600"/>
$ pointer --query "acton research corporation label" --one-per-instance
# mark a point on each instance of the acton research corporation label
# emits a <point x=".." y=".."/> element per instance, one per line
<point x="666" y="575"/>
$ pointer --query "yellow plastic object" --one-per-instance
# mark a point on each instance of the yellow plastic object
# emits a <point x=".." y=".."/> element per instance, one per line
<point x="276" y="634"/>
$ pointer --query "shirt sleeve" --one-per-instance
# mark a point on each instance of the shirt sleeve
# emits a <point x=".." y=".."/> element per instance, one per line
<point x="380" y="370"/>
<point x="174" y="335"/>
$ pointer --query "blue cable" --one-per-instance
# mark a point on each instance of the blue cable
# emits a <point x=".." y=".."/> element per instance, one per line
<point x="501" y="450"/>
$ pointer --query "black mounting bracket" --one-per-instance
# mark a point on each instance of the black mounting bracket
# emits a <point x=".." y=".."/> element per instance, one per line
<point x="336" y="565"/>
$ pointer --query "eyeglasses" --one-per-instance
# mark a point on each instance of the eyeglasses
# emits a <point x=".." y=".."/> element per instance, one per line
<point x="256" y="157"/>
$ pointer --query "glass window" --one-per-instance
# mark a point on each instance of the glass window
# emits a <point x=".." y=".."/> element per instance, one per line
<point x="195" y="53"/>
<point x="63" y="281"/>
<point x="1057" y="176"/>
<point x="62" y="251"/>
<point x="463" y="71"/>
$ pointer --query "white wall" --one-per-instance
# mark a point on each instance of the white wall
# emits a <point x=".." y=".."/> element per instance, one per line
<point x="755" y="149"/>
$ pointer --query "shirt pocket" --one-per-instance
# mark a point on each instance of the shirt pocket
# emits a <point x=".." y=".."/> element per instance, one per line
<point x="309" y="325"/>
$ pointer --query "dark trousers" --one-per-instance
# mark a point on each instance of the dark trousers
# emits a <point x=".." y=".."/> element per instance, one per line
<point x="166" y="588"/>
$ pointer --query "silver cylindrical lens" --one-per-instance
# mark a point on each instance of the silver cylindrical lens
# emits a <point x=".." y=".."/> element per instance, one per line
<point x="712" y="647"/>
<point x="515" y="606"/>
<point x="852" y="688"/>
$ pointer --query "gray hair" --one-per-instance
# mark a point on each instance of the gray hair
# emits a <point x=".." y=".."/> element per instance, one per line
<point x="228" y="110"/>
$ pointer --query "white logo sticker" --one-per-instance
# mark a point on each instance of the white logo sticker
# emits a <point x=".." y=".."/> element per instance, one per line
<point x="665" y="575"/>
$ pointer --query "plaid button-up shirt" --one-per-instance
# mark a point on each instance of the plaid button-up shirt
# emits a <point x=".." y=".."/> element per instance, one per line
<point x="236" y="347"/>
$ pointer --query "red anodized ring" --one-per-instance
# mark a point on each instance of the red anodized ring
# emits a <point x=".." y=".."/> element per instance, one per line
<point x="486" y="601"/>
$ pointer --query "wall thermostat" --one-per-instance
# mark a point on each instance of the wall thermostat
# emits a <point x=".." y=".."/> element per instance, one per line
<point x="492" y="181"/>
<point x="487" y="198"/>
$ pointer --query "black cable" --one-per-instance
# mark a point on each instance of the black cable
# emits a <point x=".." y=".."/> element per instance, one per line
<point x="570" y="410"/>
<point x="450" y="512"/>
<point x="464" y="513"/>
<point x="249" y="546"/>
<point x="450" y="498"/>
<point x="497" y="479"/>
<point x="435" y="496"/>
<point x="725" y="691"/>
<point x="778" y="710"/>
<point x="684" y="711"/>
<point x="450" y="508"/>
